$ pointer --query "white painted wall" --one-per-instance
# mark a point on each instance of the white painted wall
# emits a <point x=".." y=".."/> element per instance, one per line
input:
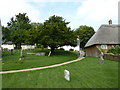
<point x="7" y="46"/>
<point x="23" y="46"/>
<point x="67" y="48"/>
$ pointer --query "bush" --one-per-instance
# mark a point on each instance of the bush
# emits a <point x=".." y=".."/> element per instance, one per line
<point x="102" y="50"/>
<point x="112" y="50"/>
<point x="61" y="48"/>
<point x="115" y="50"/>
<point x="71" y="49"/>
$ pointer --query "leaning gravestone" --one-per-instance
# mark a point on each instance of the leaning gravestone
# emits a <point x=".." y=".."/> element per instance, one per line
<point x="67" y="75"/>
<point x="21" y="55"/>
<point x="49" y="53"/>
<point x="101" y="58"/>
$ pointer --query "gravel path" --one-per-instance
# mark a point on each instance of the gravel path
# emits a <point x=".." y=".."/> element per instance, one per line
<point x="31" y="69"/>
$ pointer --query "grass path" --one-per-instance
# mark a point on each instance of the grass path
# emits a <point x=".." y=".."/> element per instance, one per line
<point x="31" y="69"/>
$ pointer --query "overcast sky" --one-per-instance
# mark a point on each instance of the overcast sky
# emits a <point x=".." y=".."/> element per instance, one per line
<point x="77" y="12"/>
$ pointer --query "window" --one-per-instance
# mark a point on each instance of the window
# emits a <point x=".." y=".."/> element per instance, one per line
<point x="104" y="46"/>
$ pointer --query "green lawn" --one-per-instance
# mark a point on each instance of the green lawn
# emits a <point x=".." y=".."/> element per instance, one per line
<point x="87" y="73"/>
<point x="11" y="62"/>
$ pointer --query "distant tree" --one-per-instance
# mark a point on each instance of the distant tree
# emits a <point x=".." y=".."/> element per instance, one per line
<point x="5" y="34"/>
<point x="55" y="33"/>
<point x="84" y="33"/>
<point x="18" y="28"/>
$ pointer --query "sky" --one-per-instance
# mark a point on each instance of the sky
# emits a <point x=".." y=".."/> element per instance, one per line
<point x="78" y="12"/>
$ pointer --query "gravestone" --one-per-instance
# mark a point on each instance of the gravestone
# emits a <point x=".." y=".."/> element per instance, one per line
<point x="67" y="75"/>
<point x="21" y="55"/>
<point x="49" y="53"/>
<point x="40" y="54"/>
<point x="101" y="58"/>
<point x="31" y="53"/>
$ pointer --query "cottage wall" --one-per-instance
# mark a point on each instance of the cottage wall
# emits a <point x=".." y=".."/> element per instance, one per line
<point x="108" y="47"/>
<point x="94" y="50"/>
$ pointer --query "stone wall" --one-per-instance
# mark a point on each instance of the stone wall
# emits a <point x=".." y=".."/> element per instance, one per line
<point x="112" y="57"/>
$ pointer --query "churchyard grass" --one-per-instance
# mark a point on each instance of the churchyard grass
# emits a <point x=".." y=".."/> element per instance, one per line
<point x="87" y="73"/>
<point x="11" y="62"/>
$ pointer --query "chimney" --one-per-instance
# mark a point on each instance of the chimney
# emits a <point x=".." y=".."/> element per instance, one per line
<point x="110" y="21"/>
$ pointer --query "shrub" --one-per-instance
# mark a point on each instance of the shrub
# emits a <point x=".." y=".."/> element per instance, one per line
<point x="61" y="48"/>
<point x="112" y="50"/>
<point x="115" y="50"/>
<point x="102" y="50"/>
<point x="71" y="49"/>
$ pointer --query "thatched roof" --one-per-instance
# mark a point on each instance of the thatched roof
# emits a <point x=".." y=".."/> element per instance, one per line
<point x="106" y="34"/>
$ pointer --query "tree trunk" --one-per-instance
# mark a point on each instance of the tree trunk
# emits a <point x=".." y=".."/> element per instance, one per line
<point x="52" y="50"/>
<point x="18" y="46"/>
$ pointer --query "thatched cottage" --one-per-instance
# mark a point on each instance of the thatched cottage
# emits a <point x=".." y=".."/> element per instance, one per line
<point x="107" y="36"/>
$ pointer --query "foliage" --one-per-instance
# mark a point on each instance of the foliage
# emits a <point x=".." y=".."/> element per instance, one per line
<point x="71" y="49"/>
<point x="33" y="34"/>
<point x="84" y="33"/>
<point x="102" y="50"/>
<point x="5" y="34"/>
<point x="115" y="50"/>
<point x="61" y="48"/>
<point x="55" y="33"/>
<point x="18" y="27"/>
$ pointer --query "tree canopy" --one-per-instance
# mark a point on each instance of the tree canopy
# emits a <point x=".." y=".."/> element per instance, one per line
<point x="5" y="34"/>
<point x="33" y="34"/>
<point x="18" y="27"/>
<point x="84" y="33"/>
<point x="55" y="33"/>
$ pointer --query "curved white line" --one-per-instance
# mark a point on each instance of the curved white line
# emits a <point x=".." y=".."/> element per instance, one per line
<point x="31" y="69"/>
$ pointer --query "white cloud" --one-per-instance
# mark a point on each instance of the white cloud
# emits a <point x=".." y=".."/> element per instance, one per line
<point x="98" y="11"/>
<point x="10" y="8"/>
<point x="90" y="12"/>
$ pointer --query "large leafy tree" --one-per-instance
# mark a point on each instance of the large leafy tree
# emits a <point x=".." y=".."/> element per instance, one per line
<point x="55" y="33"/>
<point x="33" y="34"/>
<point x="84" y="33"/>
<point x="18" y="27"/>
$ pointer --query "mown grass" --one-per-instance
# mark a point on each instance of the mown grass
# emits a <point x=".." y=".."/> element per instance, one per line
<point x="11" y="62"/>
<point x="87" y="73"/>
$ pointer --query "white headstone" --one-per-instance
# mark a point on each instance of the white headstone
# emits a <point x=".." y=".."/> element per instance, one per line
<point x="21" y="53"/>
<point x="67" y="75"/>
<point x="49" y="53"/>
